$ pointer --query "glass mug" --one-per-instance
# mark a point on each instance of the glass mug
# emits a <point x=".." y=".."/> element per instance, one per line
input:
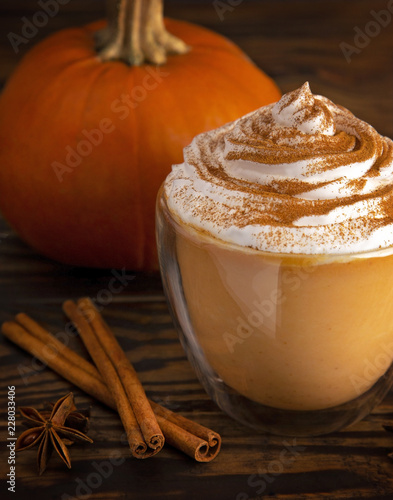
<point x="295" y="345"/>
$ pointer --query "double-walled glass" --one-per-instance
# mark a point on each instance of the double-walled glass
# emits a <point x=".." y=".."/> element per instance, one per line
<point x="290" y="344"/>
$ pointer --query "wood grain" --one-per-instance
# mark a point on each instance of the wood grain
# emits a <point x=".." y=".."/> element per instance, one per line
<point x="293" y="41"/>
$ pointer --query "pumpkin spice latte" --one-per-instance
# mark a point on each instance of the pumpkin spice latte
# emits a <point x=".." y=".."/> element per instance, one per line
<point x="281" y="229"/>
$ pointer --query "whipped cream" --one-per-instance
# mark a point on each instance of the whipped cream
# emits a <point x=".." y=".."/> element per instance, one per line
<point x="300" y="176"/>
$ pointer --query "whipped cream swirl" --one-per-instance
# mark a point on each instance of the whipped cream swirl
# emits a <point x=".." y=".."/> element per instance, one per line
<point x="300" y="176"/>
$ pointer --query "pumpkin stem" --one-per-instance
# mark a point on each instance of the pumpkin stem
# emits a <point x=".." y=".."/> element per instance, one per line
<point x="136" y="33"/>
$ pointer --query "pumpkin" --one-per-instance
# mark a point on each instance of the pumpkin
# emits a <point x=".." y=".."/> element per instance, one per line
<point x="93" y="118"/>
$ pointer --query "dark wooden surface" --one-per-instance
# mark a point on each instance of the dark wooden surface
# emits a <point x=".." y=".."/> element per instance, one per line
<point x="293" y="41"/>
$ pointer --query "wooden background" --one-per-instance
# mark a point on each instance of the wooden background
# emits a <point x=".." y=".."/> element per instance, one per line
<point x="293" y="41"/>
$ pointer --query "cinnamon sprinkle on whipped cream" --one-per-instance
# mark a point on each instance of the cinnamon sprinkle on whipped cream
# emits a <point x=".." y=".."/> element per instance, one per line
<point x="302" y="175"/>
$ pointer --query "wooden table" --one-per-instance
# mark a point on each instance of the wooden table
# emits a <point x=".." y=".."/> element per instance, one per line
<point x="293" y="41"/>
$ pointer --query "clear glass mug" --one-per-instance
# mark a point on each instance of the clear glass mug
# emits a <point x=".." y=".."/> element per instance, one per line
<point x="294" y="345"/>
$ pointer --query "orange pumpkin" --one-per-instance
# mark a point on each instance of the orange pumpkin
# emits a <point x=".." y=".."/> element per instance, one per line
<point x="86" y="139"/>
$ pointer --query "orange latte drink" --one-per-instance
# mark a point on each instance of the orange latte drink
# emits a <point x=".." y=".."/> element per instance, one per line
<point x="276" y="248"/>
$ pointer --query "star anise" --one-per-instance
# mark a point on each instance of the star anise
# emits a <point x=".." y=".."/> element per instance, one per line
<point x="50" y="432"/>
<point x="77" y="419"/>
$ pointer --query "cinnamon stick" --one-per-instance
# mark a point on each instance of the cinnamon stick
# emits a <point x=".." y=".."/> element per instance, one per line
<point x="139" y="447"/>
<point x="197" y="441"/>
<point x="193" y="439"/>
<point x="127" y="374"/>
<point x="58" y="363"/>
<point x="47" y="338"/>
